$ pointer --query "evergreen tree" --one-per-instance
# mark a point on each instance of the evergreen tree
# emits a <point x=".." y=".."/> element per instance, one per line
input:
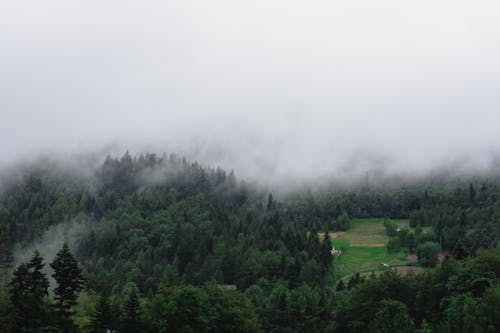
<point x="28" y="290"/>
<point x="428" y="254"/>
<point x="18" y="289"/>
<point x="39" y="283"/>
<point x="394" y="245"/>
<point x="69" y="283"/>
<point x="19" y="286"/>
<point x="132" y="320"/>
<point x="343" y="221"/>
<point x="102" y="318"/>
<point x="354" y="280"/>
<point x="326" y="252"/>
<point x="460" y="251"/>
<point x="472" y="193"/>
<point x="392" y="316"/>
<point x="411" y="242"/>
<point x="6" y="257"/>
<point x="271" y="206"/>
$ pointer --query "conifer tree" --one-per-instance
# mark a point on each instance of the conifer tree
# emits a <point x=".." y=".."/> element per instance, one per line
<point x="69" y="283"/>
<point x="19" y="285"/>
<point x="132" y="314"/>
<point x="270" y="203"/>
<point x="102" y="318"/>
<point x="326" y="252"/>
<point x="6" y="257"/>
<point x="341" y="286"/>
<point x="28" y="290"/>
<point x="39" y="283"/>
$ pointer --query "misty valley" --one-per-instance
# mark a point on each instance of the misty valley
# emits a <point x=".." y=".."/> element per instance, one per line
<point x="157" y="243"/>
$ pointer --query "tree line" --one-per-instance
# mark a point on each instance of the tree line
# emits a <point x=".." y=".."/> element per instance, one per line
<point x="167" y="236"/>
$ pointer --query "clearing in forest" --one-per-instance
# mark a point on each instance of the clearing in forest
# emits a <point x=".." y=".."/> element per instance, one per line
<point x="364" y="248"/>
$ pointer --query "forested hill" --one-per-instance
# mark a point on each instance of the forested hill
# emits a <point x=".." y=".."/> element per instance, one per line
<point x="161" y="239"/>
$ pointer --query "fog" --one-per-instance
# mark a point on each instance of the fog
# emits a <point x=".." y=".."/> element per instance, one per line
<point x="52" y="240"/>
<point x="276" y="90"/>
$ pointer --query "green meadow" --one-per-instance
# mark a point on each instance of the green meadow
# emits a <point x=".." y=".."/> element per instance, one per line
<point x="364" y="248"/>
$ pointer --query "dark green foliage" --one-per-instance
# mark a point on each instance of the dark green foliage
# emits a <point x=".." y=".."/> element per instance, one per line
<point x="277" y="309"/>
<point x="20" y="285"/>
<point x="233" y="312"/>
<point x="102" y="318"/>
<point x="341" y="286"/>
<point x="392" y="316"/>
<point x="428" y="253"/>
<point x="28" y="292"/>
<point x="391" y="228"/>
<point x="411" y="242"/>
<point x="69" y="281"/>
<point x="183" y="310"/>
<point x="354" y="280"/>
<point x="39" y="283"/>
<point x="394" y="245"/>
<point x="343" y="221"/>
<point x="161" y="221"/>
<point x="6" y="257"/>
<point x="326" y="252"/>
<point x="7" y="315"/>
<point x="132" y="320"/>
<point x="460" y="251"/>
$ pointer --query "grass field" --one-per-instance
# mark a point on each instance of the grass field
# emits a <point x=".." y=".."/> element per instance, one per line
<point x="364" y="248"/>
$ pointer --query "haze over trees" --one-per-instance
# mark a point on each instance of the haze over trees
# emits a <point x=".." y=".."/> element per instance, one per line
<point x="171" y="240"/>
<point x="364" y="141"/>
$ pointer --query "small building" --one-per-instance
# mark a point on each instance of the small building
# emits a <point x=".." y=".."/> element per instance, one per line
<point x="335" y="253"/>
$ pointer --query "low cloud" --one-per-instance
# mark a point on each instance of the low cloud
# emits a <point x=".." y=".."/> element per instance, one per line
<point x="279" y="91"/>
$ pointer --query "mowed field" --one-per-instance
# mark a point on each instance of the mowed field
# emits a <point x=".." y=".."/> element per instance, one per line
<point x="364" y="248"/>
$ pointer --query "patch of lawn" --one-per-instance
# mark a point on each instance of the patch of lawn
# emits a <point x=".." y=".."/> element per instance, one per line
<point x="366" y="259"/>
<point x="341" y="243"/>
<point x="364" y="232"/>
<point x="364" y="248"/>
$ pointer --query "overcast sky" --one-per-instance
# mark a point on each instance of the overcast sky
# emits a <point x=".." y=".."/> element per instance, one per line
<point x="267" y="87"/>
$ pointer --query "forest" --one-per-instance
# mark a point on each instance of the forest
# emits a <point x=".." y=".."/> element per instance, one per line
<point x="169" y="245"/>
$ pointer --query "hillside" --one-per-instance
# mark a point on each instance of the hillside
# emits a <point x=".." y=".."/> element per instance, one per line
<point x="164" y="243"/>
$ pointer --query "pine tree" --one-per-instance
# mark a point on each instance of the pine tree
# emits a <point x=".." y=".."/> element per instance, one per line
<point x="39" y="283"/>
<point x="18" y="289"/>
<point x="69" y="283"/>
<point x="411" y="242"/>
<point x="460" y="251"/>
<point x="101" y="318"/>
<point x="19" y="285"/>
<point x="6" y="257"/>
<point x="28" y="290"/>
<point x="132" y="314"/>
<point x="326" y="252"/>
<point x="271" y="206"/>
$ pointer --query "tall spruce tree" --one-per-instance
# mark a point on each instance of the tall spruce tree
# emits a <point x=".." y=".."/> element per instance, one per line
<point x="102" y="318"/>
<point x="28" y="290"/>
<point x="69" y="283"/>
<point x="39" y="283"/>
<point x="6" y="257"/>
<point x="18" y="289"/>
<point x="132" y="321"/>
<point x="326" y="252"/>
<point x="19" y="285"/>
